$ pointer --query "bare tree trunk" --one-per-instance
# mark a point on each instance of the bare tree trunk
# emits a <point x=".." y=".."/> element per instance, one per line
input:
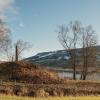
<point x="16" y="53"/>
<point x="74" y="65"/>
<point x="85" y="63"/>
<point x="74" y="72"/>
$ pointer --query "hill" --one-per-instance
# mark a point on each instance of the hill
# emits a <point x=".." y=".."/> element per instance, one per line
<point x="26" y="72"/>
<point x="55" y="59"/>
<point x="50" y="59"/>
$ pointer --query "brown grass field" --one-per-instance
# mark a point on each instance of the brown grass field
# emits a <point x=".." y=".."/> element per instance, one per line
<point x="25" y="79"/>
<point x="2" y="97"/>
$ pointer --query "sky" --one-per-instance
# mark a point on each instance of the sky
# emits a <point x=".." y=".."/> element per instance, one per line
<point x="36" y="21"/>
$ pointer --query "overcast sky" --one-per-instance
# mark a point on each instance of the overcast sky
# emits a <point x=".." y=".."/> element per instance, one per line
<point x="36" y="20"/>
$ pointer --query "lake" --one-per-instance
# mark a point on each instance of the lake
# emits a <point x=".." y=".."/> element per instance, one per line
<point x="94" y="76"/>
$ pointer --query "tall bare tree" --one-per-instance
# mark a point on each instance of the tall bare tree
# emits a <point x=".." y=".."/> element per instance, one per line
<point x="7" y="48"/>
<point x="71" y="37"/>
<point x="89" y="41"/>
<point x="5" y="39"/>
<point x="68" y="37"/>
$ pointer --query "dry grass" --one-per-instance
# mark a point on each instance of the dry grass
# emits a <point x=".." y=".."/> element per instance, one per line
<point x="70" y="88"/>
<point x="27" y="72"/>
<point x="50" y="98"/>
<point x="33" y="81"/>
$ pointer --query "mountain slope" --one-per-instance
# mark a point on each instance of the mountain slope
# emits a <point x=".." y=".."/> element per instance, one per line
<point x="54" y="59"/>
<point x="50" y="59"/>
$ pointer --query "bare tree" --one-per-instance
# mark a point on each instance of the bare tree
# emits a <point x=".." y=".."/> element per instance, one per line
<point x="68" y="37"/>
<point x="20" y="47"/>
<point x="7" y="48"/>
<point x="88" y="50"/>
<point x="71" y="37"/>
<point x="5" y="40"/>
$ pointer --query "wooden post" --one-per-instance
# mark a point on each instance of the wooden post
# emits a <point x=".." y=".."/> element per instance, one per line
<point x="16" y="53"/>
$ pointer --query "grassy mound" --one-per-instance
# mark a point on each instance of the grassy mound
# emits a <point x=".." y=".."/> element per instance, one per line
<point x="26" y="72"/>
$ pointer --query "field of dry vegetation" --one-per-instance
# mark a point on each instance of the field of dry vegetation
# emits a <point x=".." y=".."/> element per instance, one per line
<point x="50" y="98"/>
<point x="25" y="79"/>
<point x="70" y="88"/>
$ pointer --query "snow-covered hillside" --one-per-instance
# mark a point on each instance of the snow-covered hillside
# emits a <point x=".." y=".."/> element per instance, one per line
<point x="53" y="59"/>
<point x="58" y="58"/>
